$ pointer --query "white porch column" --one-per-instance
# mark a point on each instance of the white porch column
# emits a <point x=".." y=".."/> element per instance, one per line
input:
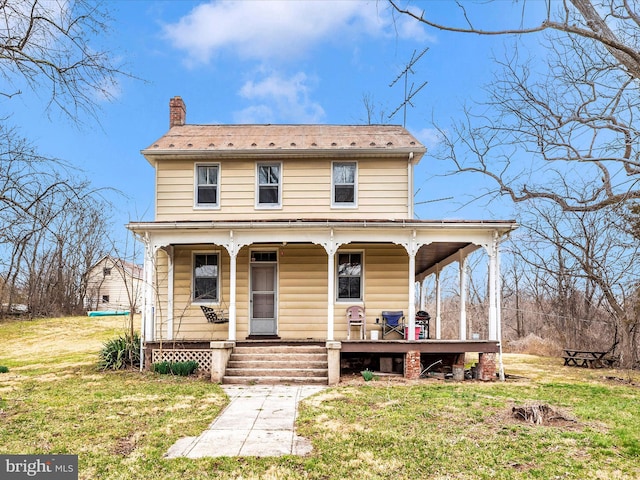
<point x="499" y="313"/>
<point x="412" y="247"/>
<point x="463" y="297"/>
<point x="412" y="296"/>
<point x="438" y="305"/>
<point x="233" y="247"/>
<point x="331" y="288"/>
<point x="493" y="290"/>
<point x="147" y="333"/>
<point x="331" y="248"/>
<point x="169" y="251"/>
<point x="232" y="295"/>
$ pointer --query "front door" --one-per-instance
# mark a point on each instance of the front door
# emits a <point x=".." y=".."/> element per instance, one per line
<point x="263" y="294"/>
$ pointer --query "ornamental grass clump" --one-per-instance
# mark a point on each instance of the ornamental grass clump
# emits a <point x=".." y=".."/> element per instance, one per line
<point x="183" y="369"/>
<point x="120" y="353"/>
<point x="3" y="369"/>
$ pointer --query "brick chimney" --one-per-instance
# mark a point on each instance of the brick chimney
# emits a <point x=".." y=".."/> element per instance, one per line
<point x="177" y="112"/>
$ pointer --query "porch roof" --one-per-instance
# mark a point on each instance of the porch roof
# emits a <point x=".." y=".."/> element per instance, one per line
<point x="441" y="240"/>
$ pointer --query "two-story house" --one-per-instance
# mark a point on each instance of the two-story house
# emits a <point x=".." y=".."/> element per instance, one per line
<point x="277" y="229"/>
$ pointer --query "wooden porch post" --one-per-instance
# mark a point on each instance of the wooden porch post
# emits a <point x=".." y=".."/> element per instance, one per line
<point x="330" y="289"/>
<point x="170" y="289"/>
<point x="232" y="248"/>
<point x="331" y="248"/>
<point x="493" y="291"/>
<point x="438" y="305"/>
<point x="412" y="296"/>
<point x="463" y="296"/>
<point x="232" y="295"/>
<point x="147" y="323"/>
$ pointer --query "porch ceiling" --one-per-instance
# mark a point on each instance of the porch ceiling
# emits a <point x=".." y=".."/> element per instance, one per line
<point x="440" y="253"/>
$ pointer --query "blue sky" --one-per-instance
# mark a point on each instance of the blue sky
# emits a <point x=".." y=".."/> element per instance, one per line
<point x="272" y="62"/>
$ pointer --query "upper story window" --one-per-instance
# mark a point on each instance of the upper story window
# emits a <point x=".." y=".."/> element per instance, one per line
<point x="343" y="183"/>
<point x="269" y="185"/>
<point x="207" y="185"/>
<point x="205" y="277"/>
<point x="349" y="276"/>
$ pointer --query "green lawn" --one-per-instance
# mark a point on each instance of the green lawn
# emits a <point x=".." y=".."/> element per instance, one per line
<point x="54" y="399"/>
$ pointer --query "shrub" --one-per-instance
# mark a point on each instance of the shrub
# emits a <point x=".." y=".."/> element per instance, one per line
<point x="3" y="369"/>
<point x="367" y="375"/>
<point x="184" y="369"/>
<point x="120" y="353"/>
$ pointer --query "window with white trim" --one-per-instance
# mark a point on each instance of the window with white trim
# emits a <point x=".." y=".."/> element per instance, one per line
<point x="207" y="185"/>
<point x="269" y="184"/>
<point x="343" y="183"/>
<point x="349" y="282"/>
<point x="206" y="274"/>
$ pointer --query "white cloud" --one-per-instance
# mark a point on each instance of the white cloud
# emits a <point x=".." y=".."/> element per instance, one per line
<point x="280" y="29"/>
<point x="430" y="137"/>
<point x="280" y="99"/>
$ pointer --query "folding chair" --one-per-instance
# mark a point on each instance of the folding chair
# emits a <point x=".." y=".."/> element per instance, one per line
<point x="356" y="318"/>
<point x="392" y="322"/>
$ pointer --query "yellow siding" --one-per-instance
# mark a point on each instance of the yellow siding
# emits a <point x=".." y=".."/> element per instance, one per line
<point x="302" y="292"/>
<point x="386" y="286"/>
<point x="301" y="287"/>
<point x="306" y="191"/>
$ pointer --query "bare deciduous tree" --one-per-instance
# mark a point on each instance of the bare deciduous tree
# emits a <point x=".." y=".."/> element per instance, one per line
<point x="562" y="129"/>
<point x="52" y="47"/>
<point x="51" y="229"/>
<point x="582" y="269"/>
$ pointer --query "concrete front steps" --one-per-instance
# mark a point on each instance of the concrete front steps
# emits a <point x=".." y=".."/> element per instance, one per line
<point x="277" y="365"/>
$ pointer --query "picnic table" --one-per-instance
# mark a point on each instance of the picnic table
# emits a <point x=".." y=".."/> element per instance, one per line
<point x="587" y="358"/>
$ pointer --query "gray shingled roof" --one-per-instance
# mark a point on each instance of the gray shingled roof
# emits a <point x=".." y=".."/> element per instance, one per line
<point x="229" y="139"/>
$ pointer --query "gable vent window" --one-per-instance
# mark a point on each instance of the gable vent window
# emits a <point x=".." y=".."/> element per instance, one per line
<point x="269" y="188"/>
<point x="344" y="177"/>
<point x="207" y="185"/>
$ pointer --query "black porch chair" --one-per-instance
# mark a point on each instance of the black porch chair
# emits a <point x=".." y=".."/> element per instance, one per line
<point x="214" y="316"/>
<point x="392" y="321"/>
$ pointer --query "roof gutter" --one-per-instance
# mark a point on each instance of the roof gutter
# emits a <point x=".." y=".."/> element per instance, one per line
<point x="152" y="154"/>
<point x="503" y="225"/>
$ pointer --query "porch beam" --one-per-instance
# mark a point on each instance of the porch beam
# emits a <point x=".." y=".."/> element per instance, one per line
<point x="402" y="346"/>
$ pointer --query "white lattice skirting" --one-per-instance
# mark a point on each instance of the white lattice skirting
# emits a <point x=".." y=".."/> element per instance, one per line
<point x="203" y="357"/>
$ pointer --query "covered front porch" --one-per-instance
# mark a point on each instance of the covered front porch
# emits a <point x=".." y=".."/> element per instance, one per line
<point x="305" y="284"/>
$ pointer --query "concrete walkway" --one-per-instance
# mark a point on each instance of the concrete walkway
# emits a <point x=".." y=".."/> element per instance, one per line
<point x="259" y="422"/>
